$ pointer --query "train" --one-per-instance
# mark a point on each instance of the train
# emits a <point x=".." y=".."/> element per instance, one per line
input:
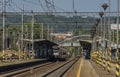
<point x="86" y="53"/>
<point x="60" y="53"/>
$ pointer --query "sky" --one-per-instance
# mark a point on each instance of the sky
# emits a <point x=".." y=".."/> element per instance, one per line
<point x="62" y="5"/>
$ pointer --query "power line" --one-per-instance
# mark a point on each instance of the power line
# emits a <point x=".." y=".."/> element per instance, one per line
<point x="40" y="3"/>
<point x="12" y="8"/>
<point x="16" y="6"/>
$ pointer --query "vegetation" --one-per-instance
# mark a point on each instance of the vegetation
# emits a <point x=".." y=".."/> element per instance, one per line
<point x="13" y="34"/>
<point x="58" y="23"/>
<point x="76" y="24"/>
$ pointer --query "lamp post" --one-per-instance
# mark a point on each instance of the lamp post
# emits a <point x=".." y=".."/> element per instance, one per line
<point x="93" y="34"/>
<point x="101" y="34"/>
<point x="104" y="34"/>
<point x="109" y="37"/>
<point x="97" y="31"/>
<point x="104" y="7"/>
<point x="101" y="15"/>
<point x="97" y="22"/>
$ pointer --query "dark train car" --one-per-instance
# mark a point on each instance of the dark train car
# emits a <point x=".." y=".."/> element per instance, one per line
<point x="86" y="49"/>
<point x="86" y="54"/>
<point x="59" y="53"/>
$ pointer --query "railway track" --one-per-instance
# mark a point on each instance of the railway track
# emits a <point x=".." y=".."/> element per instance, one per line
<point x="49" y="69"/>
<point x="30" y="71"/>
<point x="22" y="70"/>
<point x="6" y="68"/>
<point x="61" y="70"/>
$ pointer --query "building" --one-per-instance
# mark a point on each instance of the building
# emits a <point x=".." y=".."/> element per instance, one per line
<point x="42" y="48"/>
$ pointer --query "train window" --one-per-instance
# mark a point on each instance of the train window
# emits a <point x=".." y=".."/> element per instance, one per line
<point x="64" y="53"/>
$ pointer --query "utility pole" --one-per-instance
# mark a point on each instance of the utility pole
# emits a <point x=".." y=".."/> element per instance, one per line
<point x="74" y="10"/>
<point x="42" y="31"/>
<point x="101" y="15"/>
<point x="101" y="34"/>
<point x="26" y="44"/>
<point x="73" y="5"/>
<point x="109" y="27"/>
<point x="117" y="51"/>
<point x="32" y="35"/>
<point x="104" y="34"/>
<point x="51" y="33"/>
<point x="48" y="32"/>
<point x="109" y="37"/>
<point x="22" y="19"/>
<point x="3" y="12"/>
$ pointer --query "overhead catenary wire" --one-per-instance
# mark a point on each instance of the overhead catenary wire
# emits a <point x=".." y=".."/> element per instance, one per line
<point x="16" y="5"/>
<point x="40" y="3"/>
<point x="12" y="9"/>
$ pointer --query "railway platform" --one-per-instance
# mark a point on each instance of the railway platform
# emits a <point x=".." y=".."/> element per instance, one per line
<point x="88" y="68"/>
<point x="7" y="63"/>
<point x="75" y="67"/>
<point x="10" y="66"/>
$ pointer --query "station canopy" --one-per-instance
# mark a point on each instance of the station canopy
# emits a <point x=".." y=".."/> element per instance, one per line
<point x="41" y="42"/>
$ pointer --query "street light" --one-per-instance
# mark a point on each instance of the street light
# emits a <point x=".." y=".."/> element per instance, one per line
<point x="101" y="34"/>
<point x="95" y="28"/>
<point x="104" y="7"/>
<point x="93" y="34"/>
<point x="101" y="15"/>
<point x="109" y="37"/>
<point x="97" y="22"/>
<point x="105" y="43"/>
<point x="93" y="31"/>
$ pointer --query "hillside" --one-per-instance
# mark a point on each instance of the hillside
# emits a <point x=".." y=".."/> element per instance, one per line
<point x="59" y="23"/>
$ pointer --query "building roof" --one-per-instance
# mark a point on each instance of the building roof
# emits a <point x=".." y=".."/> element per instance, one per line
<point x="42" y="42"/>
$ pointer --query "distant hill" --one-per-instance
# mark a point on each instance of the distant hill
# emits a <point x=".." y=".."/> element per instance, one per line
<point x="58" y="23"/>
